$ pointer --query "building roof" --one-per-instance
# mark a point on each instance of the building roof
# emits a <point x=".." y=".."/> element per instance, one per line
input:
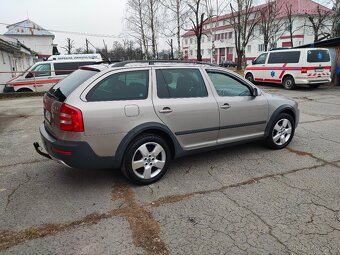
<point x="27" y="27"/>
<point x="9" y="44"/>
<point x="333" y="42"/>
<point x="297" y="7"/>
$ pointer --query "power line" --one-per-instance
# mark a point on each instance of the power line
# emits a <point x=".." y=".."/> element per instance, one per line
<point x="69" y="32"/>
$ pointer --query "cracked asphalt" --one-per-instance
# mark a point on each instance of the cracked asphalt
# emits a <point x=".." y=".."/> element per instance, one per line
<point x="240" y="200"/>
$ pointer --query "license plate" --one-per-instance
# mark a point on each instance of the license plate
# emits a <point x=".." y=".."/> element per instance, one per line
<point x="47" y="116"/>
<point x="319" y="69"/>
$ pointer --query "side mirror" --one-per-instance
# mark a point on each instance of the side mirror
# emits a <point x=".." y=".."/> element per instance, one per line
<point x="29" y="75"/>
<point x="255" y="92"/>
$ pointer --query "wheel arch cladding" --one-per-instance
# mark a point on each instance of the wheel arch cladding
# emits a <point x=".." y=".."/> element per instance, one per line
<point x="146" y="128"/>
<point x="282" y="109"/>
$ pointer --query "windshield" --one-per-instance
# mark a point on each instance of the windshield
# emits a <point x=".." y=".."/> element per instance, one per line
<point x="66" y="86"/>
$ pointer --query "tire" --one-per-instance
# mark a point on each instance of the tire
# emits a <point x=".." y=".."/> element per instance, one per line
<point x="289" y="83"/>
<point x="281" y="132"/>
<point x="150" y="166"/>
<point x="250" y="77"/>
<point x="314" y="86"/>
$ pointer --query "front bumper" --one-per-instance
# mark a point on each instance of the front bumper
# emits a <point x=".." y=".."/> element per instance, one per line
<point x="8" y="89"/>
<point x="74" y="154"/>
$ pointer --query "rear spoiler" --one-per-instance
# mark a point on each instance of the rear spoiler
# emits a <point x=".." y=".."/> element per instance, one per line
<point x="89" y="68"/>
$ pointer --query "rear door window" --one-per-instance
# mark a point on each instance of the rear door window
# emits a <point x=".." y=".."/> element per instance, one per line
<point x="180" y="83"/>
<point x="284" y="57"/>
<point x="318" y="56"/>
<point x="132" y="85"/>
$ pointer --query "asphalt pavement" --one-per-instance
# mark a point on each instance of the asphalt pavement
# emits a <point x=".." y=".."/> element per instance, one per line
<point x="246" y="199"/>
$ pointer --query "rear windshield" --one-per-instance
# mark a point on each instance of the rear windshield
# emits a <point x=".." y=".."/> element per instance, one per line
<point x="318" y="56"/>
<point x="284" y="57"/>
<point x="66" y="86"/>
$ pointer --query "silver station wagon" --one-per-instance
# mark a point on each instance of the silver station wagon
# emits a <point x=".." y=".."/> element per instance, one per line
<point x="137" y="116"/>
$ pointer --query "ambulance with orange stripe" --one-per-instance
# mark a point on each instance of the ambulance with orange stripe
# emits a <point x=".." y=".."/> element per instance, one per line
<point x="291" y="67"/>
<point x="43" y="75"/>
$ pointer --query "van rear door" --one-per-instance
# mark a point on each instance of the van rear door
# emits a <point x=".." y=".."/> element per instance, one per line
<point x="318" y="64"/>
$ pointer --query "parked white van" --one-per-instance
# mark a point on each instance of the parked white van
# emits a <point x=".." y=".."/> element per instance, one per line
<point x="43" y="75"/>
<point x="291" y="67"/>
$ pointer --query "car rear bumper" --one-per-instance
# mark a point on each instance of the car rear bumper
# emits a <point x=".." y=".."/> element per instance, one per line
<point x="74" y="154"/>
<point x="312" y="81"/>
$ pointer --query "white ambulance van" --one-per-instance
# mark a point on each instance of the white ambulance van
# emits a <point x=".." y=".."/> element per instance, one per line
<point x="291" y="67"/>
<point x="43" y="75"/>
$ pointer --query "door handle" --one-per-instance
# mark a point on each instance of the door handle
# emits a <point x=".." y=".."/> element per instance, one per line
<point x="166" y="110"/>
<point x="225" y="106"/>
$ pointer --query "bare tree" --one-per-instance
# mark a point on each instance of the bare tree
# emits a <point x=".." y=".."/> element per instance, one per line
<point x="214" y="9"/>
<point x="244" y="18"/>
<point x="153" y="7"/>
<point x="69" y="46"/>
<point x="197" y="24"/>
<point x="336" y="19"/>
<point x="290" y="23"/>
<point x="178" y="10"/>
<point x="269" y="25"/>
<point x="318" y="23"/>
<point x="136" y="12"/>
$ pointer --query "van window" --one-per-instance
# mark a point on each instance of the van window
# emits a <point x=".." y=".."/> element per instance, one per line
<point x="65" y="68"/>
<point x="131" y="85"/>
<point x="180" y="83"/>
<point x="69" y="67"/>
<point x="284" y="57"/>
<point x="261" y="59"/>
<point x="318" y="56"/>
<point x="42" y="70"/>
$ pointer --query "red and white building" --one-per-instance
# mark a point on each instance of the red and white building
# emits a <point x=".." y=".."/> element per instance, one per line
<point x="218" y="41"/>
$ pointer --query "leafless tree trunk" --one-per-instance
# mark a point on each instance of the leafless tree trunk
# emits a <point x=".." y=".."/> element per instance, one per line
<point x="243" y="19"/>
<point x="69" y="46"/>
<point x="136" y="23"/>
<point x="336" y="19"/>
<point x="152" y="18"/>
<point x="319" y="24"/>
<point x="197" y="24"/>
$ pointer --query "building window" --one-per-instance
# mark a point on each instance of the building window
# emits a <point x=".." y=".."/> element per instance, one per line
<point x="224" y="22"/>
<point x="209" y="38"/>
<point x="249" y="48"/>
<point x="202" y="52"/>
<point x="222" y="36"/>
<point x="230" y="35"/>
<point x="202" y="39"/>
<point x="273" y="45"/>
<point x="191" y="40"/>
<point x="261" y="47"/>
<point x="209" y="51"/>
<point x="191" y="53"/>
<point x="186" y="41"/>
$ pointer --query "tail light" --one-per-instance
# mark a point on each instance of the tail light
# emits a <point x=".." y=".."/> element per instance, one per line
<point x="71" y="119"/>
<point x="304" y="70"/>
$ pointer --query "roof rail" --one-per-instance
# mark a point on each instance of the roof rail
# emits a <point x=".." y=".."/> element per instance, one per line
<point x="152" y="62"/>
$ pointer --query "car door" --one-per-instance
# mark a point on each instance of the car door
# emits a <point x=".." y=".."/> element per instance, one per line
<point x="242" y="115"/>
<point x="258" y="68"/>
<point x="186" y="106"/>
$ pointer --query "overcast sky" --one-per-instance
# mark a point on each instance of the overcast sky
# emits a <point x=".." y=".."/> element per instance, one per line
<point x="88" y="16"/>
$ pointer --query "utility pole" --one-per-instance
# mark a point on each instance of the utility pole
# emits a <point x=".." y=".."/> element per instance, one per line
<point x="87" y="46"/>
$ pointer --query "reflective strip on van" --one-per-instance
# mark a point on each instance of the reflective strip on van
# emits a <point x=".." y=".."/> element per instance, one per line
<point x="36" y="82"/>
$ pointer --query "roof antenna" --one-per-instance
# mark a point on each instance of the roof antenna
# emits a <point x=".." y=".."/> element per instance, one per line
<point x="27" y="15"/>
